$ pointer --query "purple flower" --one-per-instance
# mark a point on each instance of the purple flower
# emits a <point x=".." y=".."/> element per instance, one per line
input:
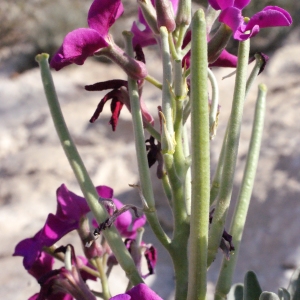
<point x="139" y="292"/>
<point x="119" y="96"/>
<point x="70" y="209"/>
<point x="64" y="284"/>
<point x="81" y="43"/>
<point x="231" y="15"/>
<point x="84" y="42"/>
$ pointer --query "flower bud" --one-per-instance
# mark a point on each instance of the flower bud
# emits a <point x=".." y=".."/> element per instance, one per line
<point x="165" y="15"/>
<point x="149" y="14"/>
<point x="218" y="43"/>
<point x="183" y="16"/>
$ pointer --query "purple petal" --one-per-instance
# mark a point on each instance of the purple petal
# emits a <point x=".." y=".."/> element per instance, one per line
<point x="142" y="292"/>
<point x="69" y="205"/>
<point x="34" y="297"/>
<point x="223" y="4"/>
<point x="138" y="222"/>
<point x="142" y="37"/>
<point x="270" y="16"/>
<point x="241" y="3"/>
<point x="103" y="14"/>
<point x="175" y="5"/>
<point x="214" y="4"/>
<point x="124" y="220"/>
<point x="55" y="229"/>
<point x="241" y="36"/>
<point x="30" y="249"/>
<point x="77" y="46"/>
<point x="232" y="17"/>
<point x="105" y="191"/>
<point x="226" y="60"/>
<point x="121" y="297"/>
<point x="42" y="265"/>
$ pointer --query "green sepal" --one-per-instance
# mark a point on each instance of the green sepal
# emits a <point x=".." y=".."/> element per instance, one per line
<point x="252" y="289"/>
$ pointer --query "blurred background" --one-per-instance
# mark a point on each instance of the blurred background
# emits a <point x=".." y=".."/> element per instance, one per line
<point x="33" y="165"/>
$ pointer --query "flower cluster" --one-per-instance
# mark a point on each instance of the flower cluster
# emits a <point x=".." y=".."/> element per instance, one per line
<point x="231" y="15"/>
<point x="70" y="214"/>
<point x="165" y="23"/>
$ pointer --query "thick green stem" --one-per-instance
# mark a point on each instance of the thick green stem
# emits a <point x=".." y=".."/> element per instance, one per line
<point x="200" y="161"/>
<point x="241" y="209"/>
<point x="230" y="155"/>
<point x="112" y="235"/>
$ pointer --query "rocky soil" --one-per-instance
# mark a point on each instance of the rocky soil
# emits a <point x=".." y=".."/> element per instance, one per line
<point x="33" y="166"/>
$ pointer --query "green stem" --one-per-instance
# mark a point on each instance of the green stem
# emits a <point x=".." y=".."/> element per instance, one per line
<point x="181" y="34"/>
<point x="255" y="71"/>
<point x="218" y="174"/>
<point x="173" y="51"/>
<point x="144" y="174"/>
<point x="215" y="185"/>
<point x="152" y="131"/>
<point x="231" y="151"/>
<point x="241" y="210"/>
<point x="112" y="235"/>
<point x="200" y="161"/>
<point x="104" y="282"/>
<point x="167" y="101"/>
<point x="213" y="112"/>
<point x="188" y="177"/>
<point x="154" y="81"/>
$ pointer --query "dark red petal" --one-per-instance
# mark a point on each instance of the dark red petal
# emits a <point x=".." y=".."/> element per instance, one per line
<point x="107" y="85"/>
<point x="100" y="106"/>
<point x="116" y="107"/>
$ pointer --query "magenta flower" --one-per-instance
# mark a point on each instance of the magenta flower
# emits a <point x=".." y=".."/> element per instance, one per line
<point x="231" y="15"/>
<point x="64" y="284"/>
<point x="139" y="292"/>
<point x="84" y="42"/>
<point x="119" y="96"/>
<point x="70" y="209"/>
<point x="81" y="43"/>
